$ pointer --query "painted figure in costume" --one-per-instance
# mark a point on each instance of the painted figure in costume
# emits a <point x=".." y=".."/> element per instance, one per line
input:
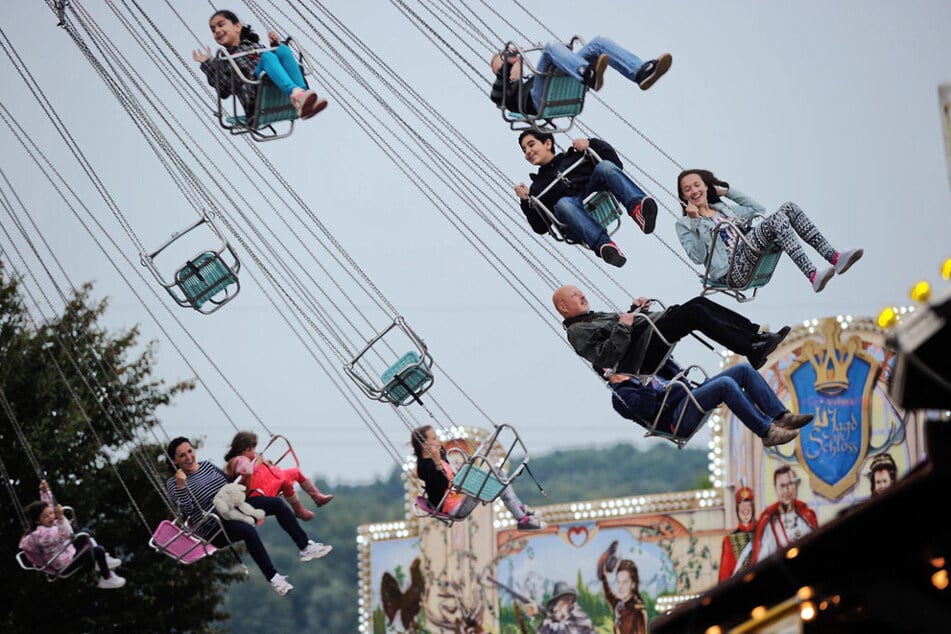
<point x="563" y="615"/>
<point x="627" y="606"/>
<point x="882" y="473"/>
<point x="784" y="521"/>
<point x="737" y="550"/>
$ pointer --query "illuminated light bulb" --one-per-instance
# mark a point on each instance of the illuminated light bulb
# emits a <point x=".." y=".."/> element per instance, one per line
<point x="805" y="593"/>
<point x="758" y="612"/>
<point x="940" y="579"/>
<point x="921" y="291"/>
<point x="807" y="611"/>
<point x="713" y="629"/>
<point x="946" y="269"/>
<point x="792" y="553"/>
<point x="887" y="318"/>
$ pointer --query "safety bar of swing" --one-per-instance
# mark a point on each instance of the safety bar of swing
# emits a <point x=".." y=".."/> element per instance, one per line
<point x="288" y="451"/>
<point x="225" y="55"/>
<point x="486" y="446"/>
<point x="680" y="381"/>
<point x="205" y="218"/>
<point x="401" y="324"/>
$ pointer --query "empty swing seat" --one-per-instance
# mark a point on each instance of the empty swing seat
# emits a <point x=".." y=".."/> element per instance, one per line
<point x="204" y="277"/>
<point x="180" y="543"/>
<point x="406" y="379"/>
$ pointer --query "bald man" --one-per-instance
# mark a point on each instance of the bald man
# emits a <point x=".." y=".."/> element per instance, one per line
<point x="612" y="340"/>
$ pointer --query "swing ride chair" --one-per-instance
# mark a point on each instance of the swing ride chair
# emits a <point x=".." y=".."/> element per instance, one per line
<point x="764" y="268"/>
<point x="483" y="478"/>
<point x="48" y="568"/>
<point x="405" y="380"/>
<point x="478" y="477"/>
<point x="562" y="95"/>
<point x="207" y="281"/>
<point x="601" y="205"/>
<point x="182" y="541"/>
<point x="271" y="106"/>
<point x="679" y="382"/>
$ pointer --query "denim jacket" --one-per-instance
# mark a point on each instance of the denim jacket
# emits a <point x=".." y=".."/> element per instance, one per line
<point x="696" y="234"/>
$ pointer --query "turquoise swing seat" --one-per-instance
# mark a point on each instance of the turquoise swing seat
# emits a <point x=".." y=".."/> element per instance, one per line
<point x="761" y="276"/>
<point x="272" y="106"/>
<point x="603" y="208"/>
<point x="406" y="379"/>
<point x="204" y="277"/>
<point x="478" y="483"/>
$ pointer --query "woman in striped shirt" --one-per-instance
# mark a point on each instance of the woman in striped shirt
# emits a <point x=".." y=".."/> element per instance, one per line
<point x="193" y="490"/>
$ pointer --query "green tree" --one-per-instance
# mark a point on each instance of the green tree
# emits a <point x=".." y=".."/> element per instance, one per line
<point x="82" y="396"/>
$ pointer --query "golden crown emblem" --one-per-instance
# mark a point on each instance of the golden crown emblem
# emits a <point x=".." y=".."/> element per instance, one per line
<point x="831" y="360"/>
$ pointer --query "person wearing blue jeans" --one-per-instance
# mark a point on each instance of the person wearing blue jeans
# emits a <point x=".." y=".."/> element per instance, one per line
<point x="741" y="388"/>
<point x="242" y="44"/>
<point x="563" y="181"/>
<point x="587" y="64"/>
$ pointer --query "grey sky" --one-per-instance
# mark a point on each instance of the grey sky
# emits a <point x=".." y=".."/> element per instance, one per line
<point x="831" y="104"/>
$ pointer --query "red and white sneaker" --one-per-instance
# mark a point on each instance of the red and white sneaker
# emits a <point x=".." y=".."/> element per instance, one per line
<point x="645" y="214"/>
<point x="611" y="254"/>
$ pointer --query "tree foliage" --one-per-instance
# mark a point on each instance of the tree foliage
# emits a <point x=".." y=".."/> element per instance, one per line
<point x="84" y="398"/>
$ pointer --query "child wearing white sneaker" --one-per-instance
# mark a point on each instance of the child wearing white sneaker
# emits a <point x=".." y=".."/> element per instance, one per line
<point x="436" y="472"/>
<point x="52" y="546"/>
<point x="278" y="64"/>
<point x="733" y="260"/>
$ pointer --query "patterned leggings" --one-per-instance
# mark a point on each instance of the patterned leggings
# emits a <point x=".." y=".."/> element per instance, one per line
<point x="780" y="227"/>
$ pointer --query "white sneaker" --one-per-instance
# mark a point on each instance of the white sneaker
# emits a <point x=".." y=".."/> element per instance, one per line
<point x="847" y="259"/>
<point x="314" y="550"/>
<point x="280" y="584"/>
<point x="112" y="563"/>
<point x="111" y="582"/>
<point x="822" y="278"/>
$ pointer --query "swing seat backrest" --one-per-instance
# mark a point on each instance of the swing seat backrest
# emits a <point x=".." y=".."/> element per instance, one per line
<point x="179" y="543"/>
<point x="563" y="96"/>
<point x="479" y="483"/>
<point x="272" y="105"/>
<point x="406" y="379"/>
<point x="604" y="208"/>
<point x="204" y="277"/>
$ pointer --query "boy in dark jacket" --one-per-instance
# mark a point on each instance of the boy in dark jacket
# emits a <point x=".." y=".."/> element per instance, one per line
<point x="565" y="198"/>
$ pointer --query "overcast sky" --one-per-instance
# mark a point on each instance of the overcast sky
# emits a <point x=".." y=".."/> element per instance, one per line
<point x="830" y="104"/>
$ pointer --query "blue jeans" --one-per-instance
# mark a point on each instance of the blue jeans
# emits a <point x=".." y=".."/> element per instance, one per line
<point x="579" y="225"/>
<point x="620" y="59"/>
<point x="741" y="388"/>
<point x="282" y="68"/>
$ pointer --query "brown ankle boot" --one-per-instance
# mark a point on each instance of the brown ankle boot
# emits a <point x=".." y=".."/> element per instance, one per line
<point x="311" y="489"/>
<point x="299" y="509"/>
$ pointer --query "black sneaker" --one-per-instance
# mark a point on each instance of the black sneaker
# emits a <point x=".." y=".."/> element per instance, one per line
<point x="611" y="254"/>
<point x="594" y="73"/>
<point x="645" y="214"/>
<point x="653" y="70"/>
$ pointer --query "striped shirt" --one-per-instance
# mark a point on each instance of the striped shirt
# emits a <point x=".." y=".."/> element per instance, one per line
<point x="199" y="494"/>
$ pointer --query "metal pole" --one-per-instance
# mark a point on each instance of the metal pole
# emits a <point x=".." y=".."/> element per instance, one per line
<point x="944" y="98"/>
